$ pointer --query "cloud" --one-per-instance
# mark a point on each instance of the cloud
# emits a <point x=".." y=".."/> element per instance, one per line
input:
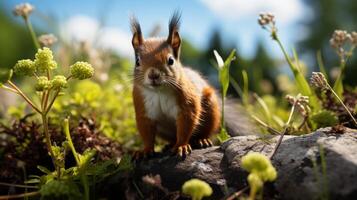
<point x="84" y="28"/>
<point x="285" y="11"/>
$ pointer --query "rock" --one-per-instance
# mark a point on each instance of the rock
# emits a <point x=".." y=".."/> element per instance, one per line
<point x="298" y="162"/>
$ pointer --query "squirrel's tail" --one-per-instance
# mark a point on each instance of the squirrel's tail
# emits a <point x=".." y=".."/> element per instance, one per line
<point x="236" y="118"/>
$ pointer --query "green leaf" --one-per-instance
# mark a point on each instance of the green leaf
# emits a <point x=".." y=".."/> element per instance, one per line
<point x="223" y="135"/>
<point x="224" y="72"/>
<point x="324" y="118"/>
<point x="86" y="157"/>
<point x="44" y="169"/>
<point x="245" y="88"/>
<point x="125" y="163"/>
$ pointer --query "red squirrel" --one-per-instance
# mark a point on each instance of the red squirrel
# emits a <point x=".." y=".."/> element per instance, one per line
<point x="171" y="101"/>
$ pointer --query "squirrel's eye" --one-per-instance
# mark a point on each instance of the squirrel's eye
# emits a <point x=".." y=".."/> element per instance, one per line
<point x="170" y="61"/>
<point x="137" y="61"/>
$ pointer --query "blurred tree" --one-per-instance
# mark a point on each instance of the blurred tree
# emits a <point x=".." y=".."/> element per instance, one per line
<point x="15" y="41"/>
<point x="329" y="15"/>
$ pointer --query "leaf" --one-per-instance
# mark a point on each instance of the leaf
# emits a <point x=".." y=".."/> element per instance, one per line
<point x="223" y="135"/>
<point x="224" y="72"/>
<point x="44" y="169"/>
<point x="125" y="163"/>
<point x="324" y="118"/>
<point x="245" y="88"/>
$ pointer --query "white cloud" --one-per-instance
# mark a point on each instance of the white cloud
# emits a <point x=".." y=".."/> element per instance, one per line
<point x="84" y="28"/>
<point x="284" y="10"/>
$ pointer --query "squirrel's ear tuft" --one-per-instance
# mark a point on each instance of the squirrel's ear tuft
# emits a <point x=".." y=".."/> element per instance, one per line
<point x="174" y="39"/>
<point x="138" y="38"/>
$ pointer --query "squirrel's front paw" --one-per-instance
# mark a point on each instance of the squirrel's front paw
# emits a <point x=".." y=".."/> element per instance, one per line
<point x="182" y="150"/>
<point x="143" y="154"/>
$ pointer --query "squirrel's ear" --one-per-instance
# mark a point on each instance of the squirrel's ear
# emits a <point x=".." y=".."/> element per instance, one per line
<point x="138" y="38"/>
<point x="174" y="39"/>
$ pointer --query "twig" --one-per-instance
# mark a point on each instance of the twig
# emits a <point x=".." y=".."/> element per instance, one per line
<point x="270" y="129"/>
<point x="284" y="131"/>
<point x="18" y="185"/>
<point x="17" y="196"/>
<point x="237" y="194"/>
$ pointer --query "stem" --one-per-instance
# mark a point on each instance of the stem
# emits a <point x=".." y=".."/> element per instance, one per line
<point x="286" y="56"/>
<point x="222" y="117"/>
<point x="48" y="142"/>
<point x="69" y="139"/>
<point x="24" y="96"/>
<point x="9" y="89"/>
<point x="237" y="194"/>
<point x="32" y="32"/>
<point x="284" y="131"/>
<point x="18" y="185"/>
<point x="344" y="106"/>
<point x="52" y="101"/>
<point x="17" y="196"/>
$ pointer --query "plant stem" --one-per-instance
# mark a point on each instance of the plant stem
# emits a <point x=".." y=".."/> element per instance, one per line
<point x="69" y="139"/>
<point x="9" y="89"/>
<point x="18" y="185"/>
<point x="17" y="196"/>
<point x="48" y="142"/>
<point x="292" y="67"/>
<point x="237" y="194"/>
<point x="284" y="131"/>
<point x="52" y="101"/>
<point x="32" y="32"/>
<point x="24" y="96"/>
<point x="344" y="106"/>
<point x="222" y="117"/>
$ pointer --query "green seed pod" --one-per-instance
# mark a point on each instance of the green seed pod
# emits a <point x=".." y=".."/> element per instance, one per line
<point x="42" y="83"/>
<point x="44" y="60"/>
<point x="82" y="70"/>
<point x="5" y="75"/>
<point x="59" y="82"/>
<point x="25" y="67"/>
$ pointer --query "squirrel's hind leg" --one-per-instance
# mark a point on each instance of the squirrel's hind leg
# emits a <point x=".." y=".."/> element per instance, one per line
<point x="209" y="120"/>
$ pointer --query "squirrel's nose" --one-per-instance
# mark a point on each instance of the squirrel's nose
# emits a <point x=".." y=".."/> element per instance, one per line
<point x="154" y="75"/>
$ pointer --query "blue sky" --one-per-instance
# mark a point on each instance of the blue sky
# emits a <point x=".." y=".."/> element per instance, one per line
<point x="237" y="19"/>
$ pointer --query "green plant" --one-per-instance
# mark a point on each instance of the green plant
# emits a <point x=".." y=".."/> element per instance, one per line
<point x="224" y="77"/>
<point x="260" y="170"/>
<point x="197" y="189"/>
<point x="267" y="22"/>
<point x="47" y="87"/>
<point x="319" y="81"/>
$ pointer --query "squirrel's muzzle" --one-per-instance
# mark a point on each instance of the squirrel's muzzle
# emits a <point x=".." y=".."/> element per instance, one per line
<point x="154" y="77"/>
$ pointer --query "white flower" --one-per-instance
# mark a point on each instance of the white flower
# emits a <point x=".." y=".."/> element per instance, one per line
<point x="218" y="59"/>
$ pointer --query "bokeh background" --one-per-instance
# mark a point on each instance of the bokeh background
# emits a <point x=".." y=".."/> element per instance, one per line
<point x="206" y="25"/>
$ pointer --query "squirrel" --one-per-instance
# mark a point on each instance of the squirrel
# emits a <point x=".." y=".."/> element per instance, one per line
<point x="171" y="101"/>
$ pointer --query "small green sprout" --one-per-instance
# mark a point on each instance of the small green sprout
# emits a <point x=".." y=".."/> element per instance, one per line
<point x="82" y="70"/>
<point x="260" y="169"/>
<point x="59" y="82"/>
<point x="44" y="60"/>
<point x="197" y="189"/>
<point x="42" y="84"/>
<point x="25" y="67"/>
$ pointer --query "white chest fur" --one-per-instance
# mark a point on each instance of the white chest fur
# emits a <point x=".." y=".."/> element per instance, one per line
<point x="160" y="104"/>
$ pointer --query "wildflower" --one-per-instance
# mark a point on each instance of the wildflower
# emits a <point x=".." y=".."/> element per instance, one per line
<point x="47" y="40"/>
<point x="44" y="60"/>
<point x="197" y="189"/>
<point x="59" y="82"/>
<point x="353" y="38"/>
<point x="267" y="21"/>
<point x="25" y="67"/>
<point x="219" y="59"/>
<point x="301" y="103"/>
<point x="82" y="70"/>
<point x="339" y="38"/>
<point x="23" y="10"/>
<point x="42" y="83"/>
<point x="319" y="81"/>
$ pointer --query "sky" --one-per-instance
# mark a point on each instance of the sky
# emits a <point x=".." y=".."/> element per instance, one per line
<point x="237" y="20"/>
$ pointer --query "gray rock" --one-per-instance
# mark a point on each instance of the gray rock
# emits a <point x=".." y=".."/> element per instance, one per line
<point x="298" y="162"/>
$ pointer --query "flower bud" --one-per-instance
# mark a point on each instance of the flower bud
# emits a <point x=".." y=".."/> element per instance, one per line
<point x="44" y="60"/>
<point x="319" y="81"/>
<point x="82" y="70"/>
<point x="25" y="67"/>
<point x="47" y="40"/>
<point x="42" y="83"/>
<point x="59" y="82"/>
<point x="23" y="10"/>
